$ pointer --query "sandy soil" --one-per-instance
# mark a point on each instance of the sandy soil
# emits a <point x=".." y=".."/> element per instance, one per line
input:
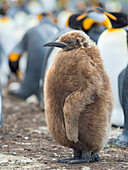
<point x="25" y="142"/>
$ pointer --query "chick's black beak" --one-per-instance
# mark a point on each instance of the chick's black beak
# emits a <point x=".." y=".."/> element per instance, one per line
<point x="55" y="44"/>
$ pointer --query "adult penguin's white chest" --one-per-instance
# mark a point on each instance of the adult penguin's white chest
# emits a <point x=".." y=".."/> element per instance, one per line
<point x="113" y="48"/>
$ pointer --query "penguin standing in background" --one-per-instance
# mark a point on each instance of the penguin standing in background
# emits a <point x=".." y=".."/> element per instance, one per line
<point x="7" y="43"/>
<point x="78" y="98"/>
<point x="18" y="7"/>
<point x="32" y="44"/>
<point x="113" y="48"/>
<point x="92" y="23"/>
<point x="1" y="111"/>
<point x="123" y="138"/>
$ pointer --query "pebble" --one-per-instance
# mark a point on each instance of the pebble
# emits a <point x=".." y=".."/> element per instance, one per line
<point x="85" y="168"/>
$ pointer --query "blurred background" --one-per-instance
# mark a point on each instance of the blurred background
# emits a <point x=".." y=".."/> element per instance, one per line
<point x="19" y="16"/>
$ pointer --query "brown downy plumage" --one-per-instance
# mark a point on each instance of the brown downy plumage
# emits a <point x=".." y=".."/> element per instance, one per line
<point x="78" y="97"/>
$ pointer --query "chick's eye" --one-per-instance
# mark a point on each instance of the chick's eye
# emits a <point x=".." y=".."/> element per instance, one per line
<point x="85" y="44"/>
<point x="77" y="42"/>
<point x="70" y="43"/>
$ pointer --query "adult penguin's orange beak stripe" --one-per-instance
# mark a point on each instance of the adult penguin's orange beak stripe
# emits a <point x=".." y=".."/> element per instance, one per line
<point x="55" y="44"/>
<point x="81" y="16"/>
<point x="107" y="13"/>
<point x="110" y="15"/>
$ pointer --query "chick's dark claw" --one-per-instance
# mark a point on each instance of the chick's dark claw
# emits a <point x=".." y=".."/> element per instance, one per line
<point x="78" y="161"/>
<point x="77" y="156"/>
<point x="85" y="159"/>
<point x="65" y="160"/>
<point x="95" y="157"/>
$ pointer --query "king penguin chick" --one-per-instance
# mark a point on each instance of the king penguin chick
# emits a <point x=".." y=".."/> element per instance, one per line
<point x="78" y="97"/>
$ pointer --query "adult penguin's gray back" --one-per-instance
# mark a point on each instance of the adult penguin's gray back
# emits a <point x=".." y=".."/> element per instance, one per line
<point x="36" y="57"/>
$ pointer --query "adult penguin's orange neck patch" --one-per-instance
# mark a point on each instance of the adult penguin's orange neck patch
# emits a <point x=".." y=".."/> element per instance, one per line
<point x="87" y="23"/>
<point x="14" y="57"/>
<point x="106" y="23"/>
<point x="40" y="16"/>
<point x="114" y="29"/>
<point x="5" y="19"/>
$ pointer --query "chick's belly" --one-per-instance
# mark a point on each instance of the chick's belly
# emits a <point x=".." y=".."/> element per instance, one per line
<point x="93" y="128"/>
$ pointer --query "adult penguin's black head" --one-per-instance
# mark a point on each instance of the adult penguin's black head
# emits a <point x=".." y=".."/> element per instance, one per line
<point x="74" y="22"/>
<point x="50" y="15"/>
<point x="86" y="21"/>
<point x="117" y="19"/>
<point x="41" y="15"/>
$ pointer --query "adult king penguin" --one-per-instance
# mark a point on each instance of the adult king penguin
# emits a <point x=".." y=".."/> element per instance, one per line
<point x="113" y="43"/>
<point x="110" y="45"/>
<point x="36" y="57"/>
<point x="91" y="22"/>
<point x="1" y="111"/>
<point x="113" y="48"/>
<point x="78" y="97"/>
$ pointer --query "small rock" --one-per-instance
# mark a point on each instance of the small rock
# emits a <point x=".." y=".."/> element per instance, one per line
<point x="26" y="138"/>
<point x="85" y="168"/>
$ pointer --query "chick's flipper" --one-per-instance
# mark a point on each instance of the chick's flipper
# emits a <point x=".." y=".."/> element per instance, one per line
<point x="72" y="111"/>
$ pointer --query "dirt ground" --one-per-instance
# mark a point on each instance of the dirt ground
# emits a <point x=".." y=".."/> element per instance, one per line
<point x="25" y="142"/>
